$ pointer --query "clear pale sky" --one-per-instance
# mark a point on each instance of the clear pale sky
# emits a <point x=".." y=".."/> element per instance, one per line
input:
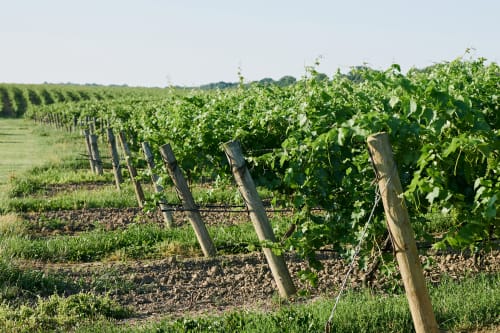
<point x="192" y="42"/>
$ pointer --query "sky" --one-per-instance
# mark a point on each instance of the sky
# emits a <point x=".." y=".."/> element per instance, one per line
<point x="194" y="42"/>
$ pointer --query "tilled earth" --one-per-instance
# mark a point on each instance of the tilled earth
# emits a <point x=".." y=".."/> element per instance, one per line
<point x="178" y="286"/>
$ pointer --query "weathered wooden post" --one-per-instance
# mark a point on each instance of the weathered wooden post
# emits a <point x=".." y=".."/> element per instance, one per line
<point x="93" y="125"/>
<point x="259" y="218"/>
<point x="115" y="159"/>
<point x="75" y="124"/>
<point x="398" y="223"/>
<point x="139" y="193"/>
<point x="193" y="214"/>
<point x="89" y="150"/>
<point x="95" y="154"/>
<point x="164" y="208"/>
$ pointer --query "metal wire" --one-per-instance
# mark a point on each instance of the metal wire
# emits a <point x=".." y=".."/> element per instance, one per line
<point x="378" y="196"/>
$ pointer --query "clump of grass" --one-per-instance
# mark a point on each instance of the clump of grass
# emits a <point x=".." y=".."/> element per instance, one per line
<point x="24" y="186"/>
<point x="60" y="314"/>
<point x="12" y="225"/>
<point x="16" y="282"/>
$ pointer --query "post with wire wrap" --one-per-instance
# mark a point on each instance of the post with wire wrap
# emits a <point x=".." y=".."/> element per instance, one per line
<point x="259" y="218"/>
<point x="398" y="223"/>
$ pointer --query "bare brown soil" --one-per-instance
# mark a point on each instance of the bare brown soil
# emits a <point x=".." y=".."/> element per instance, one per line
<point x="177" y="287"/>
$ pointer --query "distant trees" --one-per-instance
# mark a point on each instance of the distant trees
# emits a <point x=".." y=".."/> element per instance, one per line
<point x="284" y="81"/>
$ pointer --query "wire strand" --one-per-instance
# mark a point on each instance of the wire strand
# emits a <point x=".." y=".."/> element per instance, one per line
<point x="378" y="197"/>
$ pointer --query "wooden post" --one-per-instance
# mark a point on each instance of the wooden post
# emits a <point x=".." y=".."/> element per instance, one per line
<point x="115" y="159"/>
<point x="167" y="215"/>
<point x="259" y="218"/>
<point x="93" y="125"/>
<point x="139" y="194"/>
<point x="75" y="124"/>
<point x="95" y="154"/>
<point x="193" y="214"/>
<point x="398" y="223"/>
<point x="89" y="149"/>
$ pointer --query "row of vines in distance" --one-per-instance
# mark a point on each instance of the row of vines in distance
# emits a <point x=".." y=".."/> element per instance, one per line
<point x="306" y="142"/>
<point x="16" y="99"/>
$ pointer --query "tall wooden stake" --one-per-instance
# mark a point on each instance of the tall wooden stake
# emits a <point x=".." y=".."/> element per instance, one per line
<point x="139" y="194"/>
<point x="398" y="223"/>
<point x="207" y="246"/>
<point x="86" y="134"/>
<point x="259" y="218"/>
<point x="115" y="159"/>
<point x="167" y="215"/>
<point x="95" y="154"/>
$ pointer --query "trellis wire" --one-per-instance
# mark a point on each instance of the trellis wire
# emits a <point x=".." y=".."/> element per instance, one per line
<point x="378" y="196"/>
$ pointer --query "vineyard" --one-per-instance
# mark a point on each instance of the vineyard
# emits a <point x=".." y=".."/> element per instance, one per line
<point x="81" y="235"/>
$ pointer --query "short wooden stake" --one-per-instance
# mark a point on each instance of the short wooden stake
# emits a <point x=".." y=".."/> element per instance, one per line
<point x="139" y="193"/>
<point x="398" y="223"/>
<point x="207" y="246"/>
<point x="164" y="208"/>
<point x="259" y="218"/>
<point x="115" y="159"/>
<point x="89" y="149"/>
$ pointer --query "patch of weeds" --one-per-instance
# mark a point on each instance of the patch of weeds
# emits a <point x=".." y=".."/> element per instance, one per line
<point x="16" y="282"/>
<point x="12" y="225"/>
<point x="110" y="281"/>
<point x="61" y="314"/>
<point x="24" y="186"/>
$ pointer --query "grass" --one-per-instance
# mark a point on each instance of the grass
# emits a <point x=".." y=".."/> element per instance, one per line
<point x="106" y="196"/>
<point x="60" y="314"/>
<point x="137" y="241"/>
<point x="18" y="284"/>
<point x="25" y="145"/>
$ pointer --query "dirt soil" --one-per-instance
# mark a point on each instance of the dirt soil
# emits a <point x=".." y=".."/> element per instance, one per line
<point x="178" y="286"/>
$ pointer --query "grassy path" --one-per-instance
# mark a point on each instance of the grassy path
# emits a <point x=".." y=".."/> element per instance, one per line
<point x="20" y="147"/>
<point x="24" y="145"/>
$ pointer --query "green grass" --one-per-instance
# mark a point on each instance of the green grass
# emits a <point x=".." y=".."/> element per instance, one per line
<point x="106" y="196"/>
<point x="25" y="145"/>
<point x="137" y="241"/>
<point x="60" y="314"/>
<point x="17" y="284"/>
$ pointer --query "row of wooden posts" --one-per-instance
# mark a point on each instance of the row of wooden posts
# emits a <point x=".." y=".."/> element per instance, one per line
<point x="387" y="176"/>
<point x="243" y="179"/>
<point x="391" y="193"/>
